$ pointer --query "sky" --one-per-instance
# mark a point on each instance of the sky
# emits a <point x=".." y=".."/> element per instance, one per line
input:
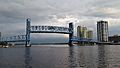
<point x="13" y="14"/>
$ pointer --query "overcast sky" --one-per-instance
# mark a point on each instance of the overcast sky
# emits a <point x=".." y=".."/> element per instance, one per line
<point x="59" y="13"/>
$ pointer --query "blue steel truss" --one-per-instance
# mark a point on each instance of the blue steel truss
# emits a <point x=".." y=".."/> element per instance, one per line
<point x="49" y="29"/>
<point x="39" y="29"/>
<point x="44" y="29"/>
<point x="18" y="38"/>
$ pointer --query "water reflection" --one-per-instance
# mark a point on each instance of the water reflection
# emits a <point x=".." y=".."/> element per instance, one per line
<point x="77" y="57"/>
<point x="101" y="56"/>
<point x="82" y="57"/>
<point x="1" y="57"/>
<point x="72" y="57"/>
<point x="28" y="58"/>
<point x="98" y="56"/>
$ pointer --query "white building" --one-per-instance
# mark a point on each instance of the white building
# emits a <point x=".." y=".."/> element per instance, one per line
<point x="102" y="31"/>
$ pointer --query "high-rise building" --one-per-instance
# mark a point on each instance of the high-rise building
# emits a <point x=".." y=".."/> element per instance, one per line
<point x="79" y="31"/>
<point x="102" y="31"/>
<point x="83" y="32"/>
<point x="0" y="35"/>
<point x="89" y="34"/>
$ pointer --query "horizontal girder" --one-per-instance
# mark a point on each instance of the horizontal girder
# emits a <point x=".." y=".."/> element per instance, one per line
<point x="49" y="29"/>
<point x="14" y="38"/>
<point x="49" y="32"/>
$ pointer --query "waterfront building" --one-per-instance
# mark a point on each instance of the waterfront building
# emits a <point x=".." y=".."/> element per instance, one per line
<point x="114" y="39"/>
<point x="83" y="32"/>
<point x="102" y="31"/>
<point x="79" y="31"/>
<point x="0" y="35"/>
<point x="89" y="34"/>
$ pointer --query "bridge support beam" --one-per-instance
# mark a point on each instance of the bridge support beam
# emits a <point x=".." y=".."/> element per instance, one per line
<point x="71" y="34"/>
<point x="28" y="44"/>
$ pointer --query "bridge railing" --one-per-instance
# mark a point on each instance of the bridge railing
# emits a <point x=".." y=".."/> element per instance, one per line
<point x="13" y="38"/>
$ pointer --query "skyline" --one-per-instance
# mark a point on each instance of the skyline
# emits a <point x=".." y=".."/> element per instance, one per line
<point x="58" y="13"/>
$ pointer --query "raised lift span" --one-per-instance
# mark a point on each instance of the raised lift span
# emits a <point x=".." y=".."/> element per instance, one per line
<point x="39" y="29"/>
<point x="47" y="29"/>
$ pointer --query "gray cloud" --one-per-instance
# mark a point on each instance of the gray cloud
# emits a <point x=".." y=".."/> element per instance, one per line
<point x="105" y="9"/>
<point x="56" y="12"/>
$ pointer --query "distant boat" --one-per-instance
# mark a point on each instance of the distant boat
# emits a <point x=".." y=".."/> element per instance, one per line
<point x="5" y="46"/>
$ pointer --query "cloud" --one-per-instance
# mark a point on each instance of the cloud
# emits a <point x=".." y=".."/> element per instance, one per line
<point x="57" y="13"/>
<point x="104" y="13"/>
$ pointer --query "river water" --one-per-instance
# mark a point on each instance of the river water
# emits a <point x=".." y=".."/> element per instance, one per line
<point x="61" y="56"/>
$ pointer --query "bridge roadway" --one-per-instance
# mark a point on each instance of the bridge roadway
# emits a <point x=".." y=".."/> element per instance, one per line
<point x="47" y="29"/>
<point x="50" y="32"/>
<point x="77" y="39"/>
<point x="22" y="38"/>
<point x="74" y="39"/>
<point x="107" y="43"/>
<point x="15" y="41"/>
<point x="39" y="29"/>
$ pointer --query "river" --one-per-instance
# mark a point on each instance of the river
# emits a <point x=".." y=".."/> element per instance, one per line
<point x="60" y="56"/>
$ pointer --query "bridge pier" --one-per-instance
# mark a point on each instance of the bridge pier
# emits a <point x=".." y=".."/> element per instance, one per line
<point x="71" y="33"/>
<point x="28" y="44"/>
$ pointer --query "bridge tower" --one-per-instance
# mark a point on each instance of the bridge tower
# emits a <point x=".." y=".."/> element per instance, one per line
<point x="28" y="44"/>
<point x="71" y="33"/>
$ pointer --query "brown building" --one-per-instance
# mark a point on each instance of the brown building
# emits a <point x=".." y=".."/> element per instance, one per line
<point x="114" y="38"/>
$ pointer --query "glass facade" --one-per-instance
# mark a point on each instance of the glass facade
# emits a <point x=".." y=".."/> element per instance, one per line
<point x="83" y="32"/>
<point x="102" y="31"/>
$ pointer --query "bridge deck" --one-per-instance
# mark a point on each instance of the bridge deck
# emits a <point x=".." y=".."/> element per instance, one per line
<point x="50" y="32"/>
<point x="15" y="41"/>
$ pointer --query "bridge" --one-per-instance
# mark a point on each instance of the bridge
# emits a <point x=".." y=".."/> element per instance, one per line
<point x="18" y="38"/>
<point x="44" y="29"/>
<point x="39" y="29"/>
<point x="83" y="40"/>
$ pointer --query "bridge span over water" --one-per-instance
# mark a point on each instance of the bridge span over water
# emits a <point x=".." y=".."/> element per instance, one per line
<point x="43" y="29"/>
<point x="39" y="29"/>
